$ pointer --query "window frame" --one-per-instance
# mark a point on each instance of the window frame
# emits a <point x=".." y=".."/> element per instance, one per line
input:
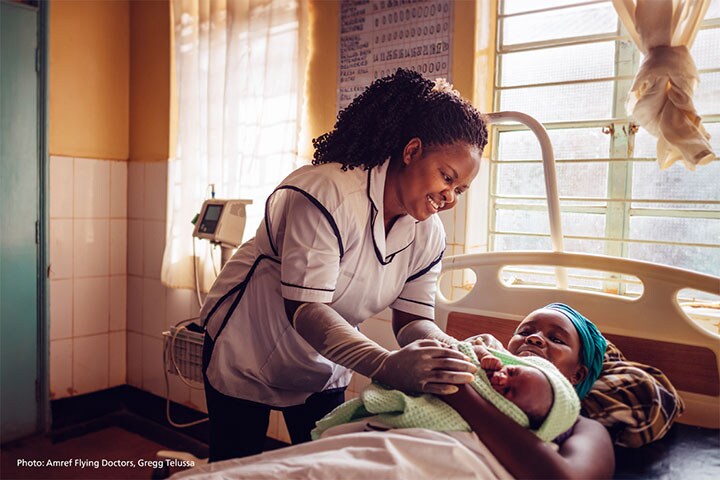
<point x="618" y="206"/>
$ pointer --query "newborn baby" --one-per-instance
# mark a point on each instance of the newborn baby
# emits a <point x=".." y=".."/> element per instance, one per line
<point x="525" y="386"/>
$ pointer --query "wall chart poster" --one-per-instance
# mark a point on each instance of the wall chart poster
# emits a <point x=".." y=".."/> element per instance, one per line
<point x="378" y="36"/>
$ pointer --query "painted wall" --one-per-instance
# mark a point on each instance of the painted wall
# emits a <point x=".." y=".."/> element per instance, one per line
<point x="150" y="77"/>
<point x="89" y="79"/>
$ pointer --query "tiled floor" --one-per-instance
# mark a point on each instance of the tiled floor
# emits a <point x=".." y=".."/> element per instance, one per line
<point x="100" y="448"/>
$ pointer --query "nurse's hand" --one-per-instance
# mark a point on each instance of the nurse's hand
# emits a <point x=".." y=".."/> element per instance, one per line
<point x="425" y="366"/>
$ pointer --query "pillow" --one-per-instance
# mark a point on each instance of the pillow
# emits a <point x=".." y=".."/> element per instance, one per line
<point x="635" y="402"/>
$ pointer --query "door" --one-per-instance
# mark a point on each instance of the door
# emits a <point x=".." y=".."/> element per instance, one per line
<point x="19" y="215"/>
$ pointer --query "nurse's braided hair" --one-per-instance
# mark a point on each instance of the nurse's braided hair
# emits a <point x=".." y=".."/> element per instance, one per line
<point x="380" y="121"/>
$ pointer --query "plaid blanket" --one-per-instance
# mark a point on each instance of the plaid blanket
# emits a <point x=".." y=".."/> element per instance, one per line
<point x="635" y="402"/>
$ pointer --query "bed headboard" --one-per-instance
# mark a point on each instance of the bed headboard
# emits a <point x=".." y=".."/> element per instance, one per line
<point x="651" y="329"/>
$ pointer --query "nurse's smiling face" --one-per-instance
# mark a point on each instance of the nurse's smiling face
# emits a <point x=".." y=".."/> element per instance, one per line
<point x="430" y="178"/>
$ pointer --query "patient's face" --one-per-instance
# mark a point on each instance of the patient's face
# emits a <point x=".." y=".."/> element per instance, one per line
<point x="551" y="335"/>
<point x="528" y="388"/>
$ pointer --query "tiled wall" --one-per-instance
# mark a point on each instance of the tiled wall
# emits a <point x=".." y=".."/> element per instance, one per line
<point x="151" y="307"/>
<point x="87" y="273"/>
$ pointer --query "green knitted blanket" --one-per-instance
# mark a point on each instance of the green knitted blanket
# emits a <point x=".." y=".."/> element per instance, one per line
<point x="400" y="410"/>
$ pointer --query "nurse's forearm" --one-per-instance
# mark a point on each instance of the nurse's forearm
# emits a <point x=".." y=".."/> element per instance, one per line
<point x="335" y="339"/>
<point x="423" y="328"/>
<point x="422" y="366"/>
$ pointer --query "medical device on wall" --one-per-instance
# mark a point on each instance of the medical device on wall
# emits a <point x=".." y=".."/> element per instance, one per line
<point x="222" y="222"/>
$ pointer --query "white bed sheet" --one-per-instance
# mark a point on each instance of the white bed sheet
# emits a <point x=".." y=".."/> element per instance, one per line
<point x="411" y="453"/>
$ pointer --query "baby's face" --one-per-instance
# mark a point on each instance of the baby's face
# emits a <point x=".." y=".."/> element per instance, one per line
<point x="528" y="388"/>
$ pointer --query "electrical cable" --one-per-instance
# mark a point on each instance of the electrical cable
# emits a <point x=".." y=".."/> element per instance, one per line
<point x="195" y="274"/>
<point x="212" y="259"/>
<point x="170" y="344"/>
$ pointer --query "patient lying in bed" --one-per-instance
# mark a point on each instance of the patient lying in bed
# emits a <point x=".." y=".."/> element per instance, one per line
<point x="496" y="446"/>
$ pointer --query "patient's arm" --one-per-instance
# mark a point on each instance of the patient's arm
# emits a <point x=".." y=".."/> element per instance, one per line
<point x="588" y="453"/>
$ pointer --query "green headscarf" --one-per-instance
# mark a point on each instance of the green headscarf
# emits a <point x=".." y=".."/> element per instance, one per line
<point x="593" y="345"/>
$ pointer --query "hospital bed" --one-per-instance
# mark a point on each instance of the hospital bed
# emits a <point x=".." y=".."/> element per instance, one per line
<point x="651" y="327"/>
<point x="638" y="305"/>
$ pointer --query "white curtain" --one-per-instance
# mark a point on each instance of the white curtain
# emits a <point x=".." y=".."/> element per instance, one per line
<point x="238" y="78"/>
<point x="660" y="99"/>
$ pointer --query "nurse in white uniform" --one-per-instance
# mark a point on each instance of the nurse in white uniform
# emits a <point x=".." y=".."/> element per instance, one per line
<point x="343" y="239"/>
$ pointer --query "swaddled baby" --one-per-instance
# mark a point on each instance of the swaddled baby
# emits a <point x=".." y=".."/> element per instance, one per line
<point x="530" y="390"/>
<point x="527" y="387"/>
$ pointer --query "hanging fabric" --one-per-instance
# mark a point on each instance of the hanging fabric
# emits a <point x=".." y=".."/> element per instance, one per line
<point x="238" y="78"/>
<point x="660" y="99"/>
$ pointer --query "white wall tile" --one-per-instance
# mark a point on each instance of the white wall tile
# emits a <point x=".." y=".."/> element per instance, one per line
<point x="92" y="188"/>
<point x="153" y="379"/>
<point x="283" y="434"/>
<point x="91" y="247"/>
<point x="179" y="392"/>
<point x="136" y="190"/>
<point x="61" y="309"/>
<point x="155" y="190"/>
<point x="118" y="359"/>
<point x="153" y="247"/>
<point x="118" y="189"/>
<point x="118" y="303"/>
<point x="153" y="307"/>
<point x="178" y="305"/>
<point x="61" y="369"/>
<point x="476" y="227"/>
<point x="135" y="241"/>
<point x="448" y="221"/>
<point x="197" y="400"/>
<point x="61" y="248"/>
<point x="134" y="359"/>
<point x="61" y="187"/>
<point x="118" y="246"/>
<point x="459" y="215"/>
<point x="90" y="363"/>
<point x="272" y="430"/>
<point x="91" y="306"/>
<point x="135" y="304"/>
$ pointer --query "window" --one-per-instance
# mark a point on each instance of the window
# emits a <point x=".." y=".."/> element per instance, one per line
<point x="239" y="73"/>
<point x="570" y="64"/>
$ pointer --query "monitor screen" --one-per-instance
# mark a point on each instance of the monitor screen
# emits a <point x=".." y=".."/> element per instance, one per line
<point x="209" y="221"/>
<point x="213" y="212"/>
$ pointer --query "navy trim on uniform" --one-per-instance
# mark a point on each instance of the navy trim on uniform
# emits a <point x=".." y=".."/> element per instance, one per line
<point x="426" y="269"/>
<point x="307" y="288"/>
<point x="431" y="305"/>
<point x="221" y="300"/>
<point x="267" y="225"/>
<point x="240" y="288"/>
<point x="315" y="202"/>
<point x="373" y="215"/>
